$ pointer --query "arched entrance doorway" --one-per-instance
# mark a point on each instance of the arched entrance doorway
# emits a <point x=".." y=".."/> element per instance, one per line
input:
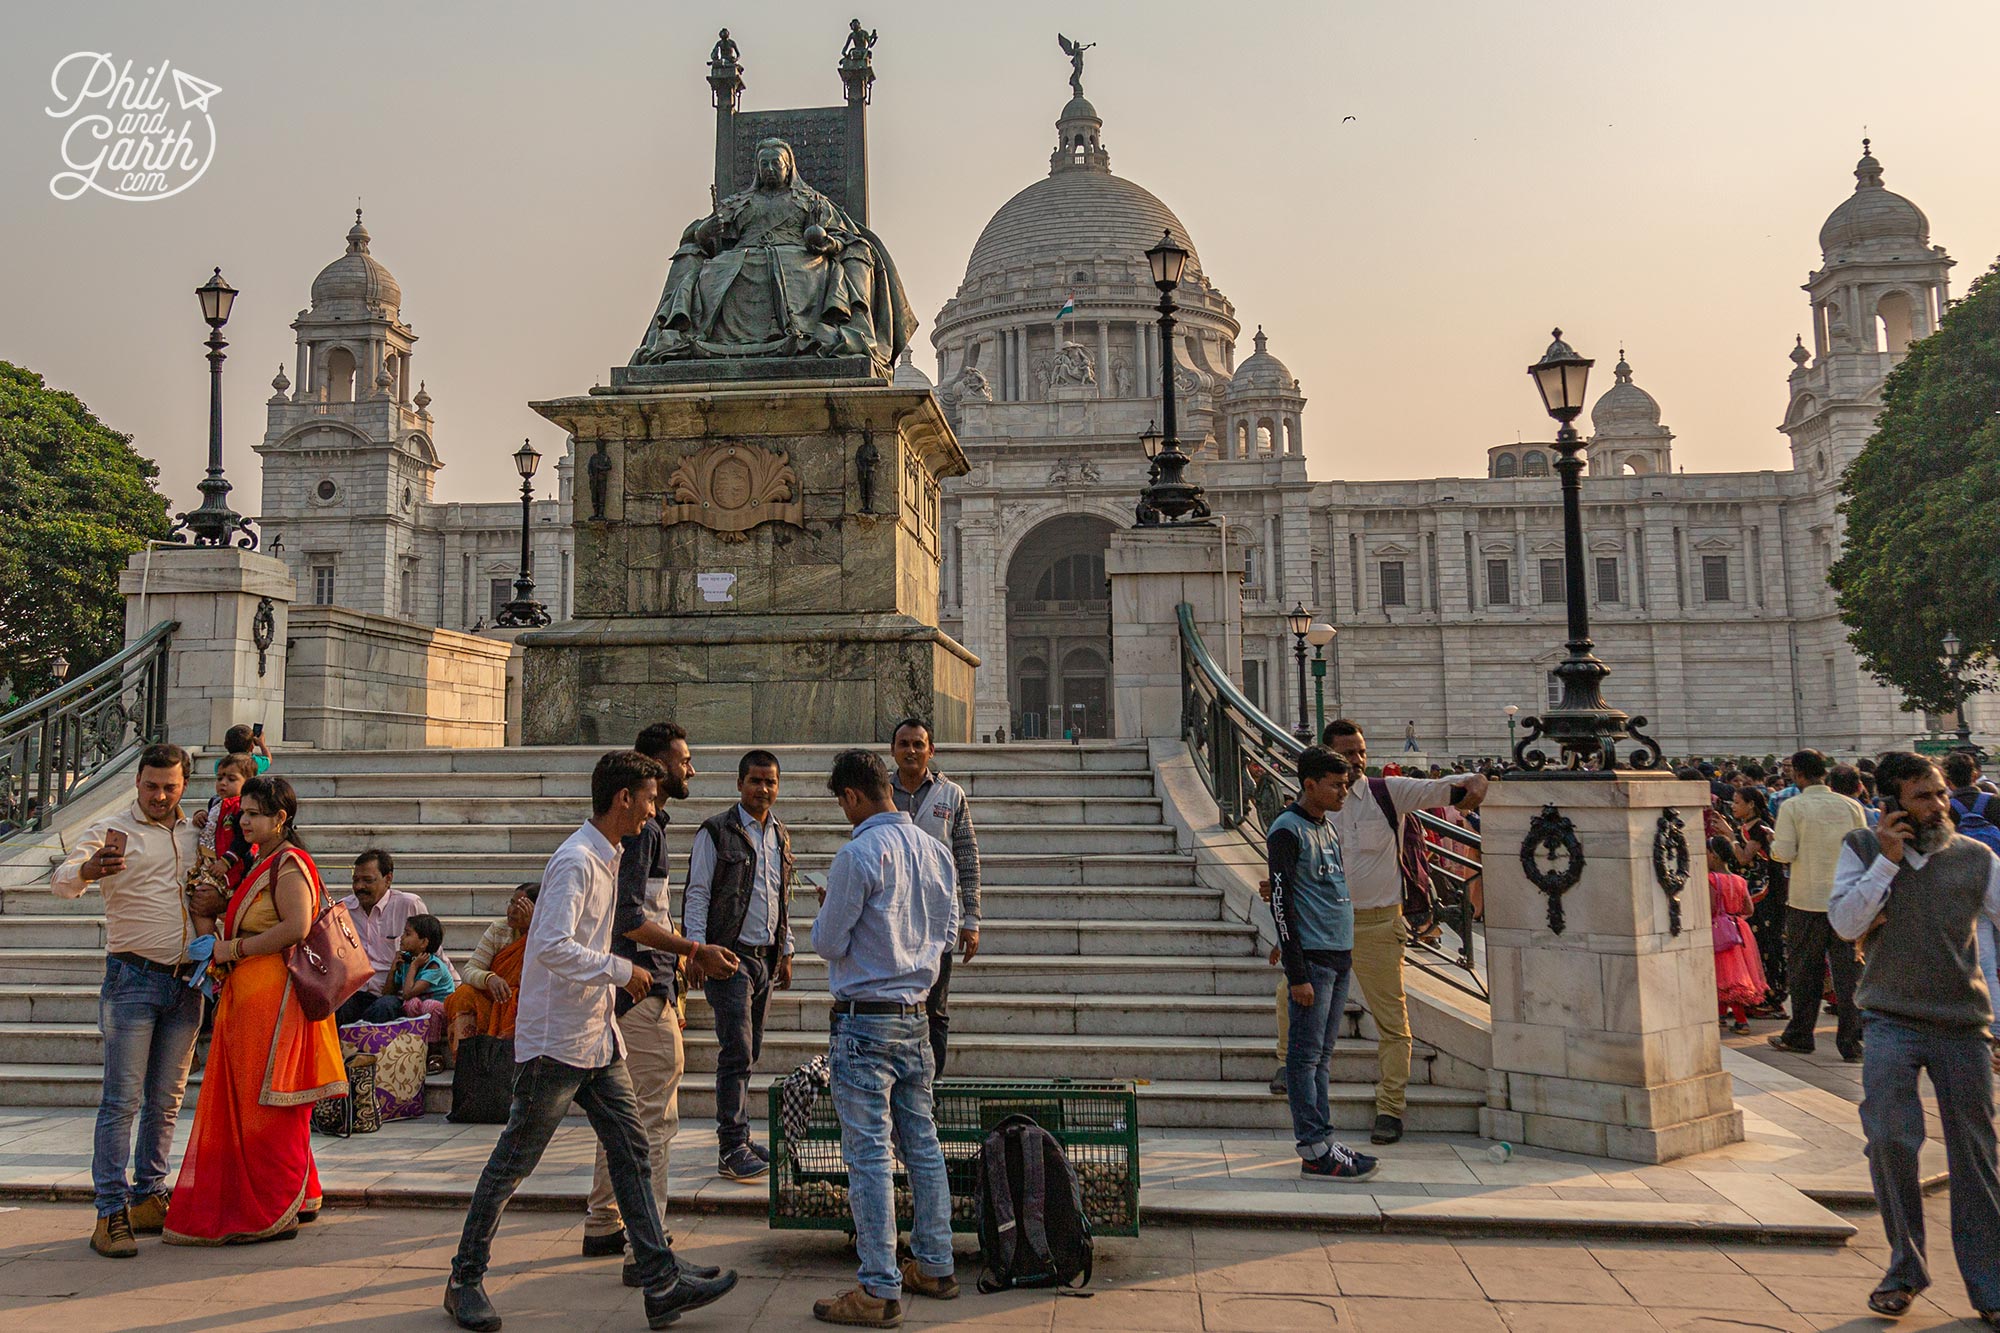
<point x="1059" y="630"/>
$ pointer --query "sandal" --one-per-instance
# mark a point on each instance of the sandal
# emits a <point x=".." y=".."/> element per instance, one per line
<point x="1892" y="1302"/>
<point x="1740" y="1029"/>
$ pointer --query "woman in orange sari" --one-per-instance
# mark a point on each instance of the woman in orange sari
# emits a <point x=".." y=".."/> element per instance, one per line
<point x="249" y="1174"/>
<point x="488" y="1001"/>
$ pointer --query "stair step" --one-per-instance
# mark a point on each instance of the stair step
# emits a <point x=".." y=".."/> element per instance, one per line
<point x="564" y="810"/>
<point x="809" y="763"/>
<point x="1094" y="974"/>
<point x="331" y="841"/>
<point x="414" y="869"/>
<point x="709" y="790"/>
<point x="1166" y="1104"/>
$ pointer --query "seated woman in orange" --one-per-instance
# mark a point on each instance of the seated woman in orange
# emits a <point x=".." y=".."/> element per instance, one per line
<point x="485" y="1004"/>
<point x="248" y="1174"/>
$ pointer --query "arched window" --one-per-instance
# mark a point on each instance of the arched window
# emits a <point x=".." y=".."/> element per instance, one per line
<point x="1895" y="316"/>
<point x="1242" y="440"/>
<point x="1534" y="463"/>
<point x="340" y="376"/>
<point x="1633" y="466"/>
<point x="1506" y="465"/>
<point x="1292" y="444"/>
<point x="1074" y="578"/>
<point x="1266" y="437"/>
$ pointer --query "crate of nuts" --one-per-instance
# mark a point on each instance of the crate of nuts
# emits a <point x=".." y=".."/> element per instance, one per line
<point x="1095" y="1120"/>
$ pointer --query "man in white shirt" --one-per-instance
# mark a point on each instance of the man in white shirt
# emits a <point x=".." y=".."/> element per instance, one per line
<point x="1809" y="834"/>
<point x="568" y="1048"/>
<point x="1371" y="844"/>
<point x="380" y="911"/>
<point x="140" y="858"/>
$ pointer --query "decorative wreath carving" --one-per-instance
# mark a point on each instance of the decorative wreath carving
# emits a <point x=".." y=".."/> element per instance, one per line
<point x="1552" y="859"/>
<point x="263" y="630"/>
<point x="1670" y="863"/>
<point x="730" y="488"/>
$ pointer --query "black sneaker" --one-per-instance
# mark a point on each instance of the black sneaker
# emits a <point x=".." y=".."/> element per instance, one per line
<point x="603" y="1247"/>
<point x="468" y="1305"/>
<point x="760" y="1150"/>
<point x="704" y="1272"/>
<point x="1340" y="1163"/>
<point x="666" y="1304"/>
<point x="1388" y="1129"/>
<point x="1278" y="1082"/>
<point x="740" y="1163"/>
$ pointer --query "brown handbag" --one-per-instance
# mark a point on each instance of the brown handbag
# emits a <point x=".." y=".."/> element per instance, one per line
<point x="329" y="965"/>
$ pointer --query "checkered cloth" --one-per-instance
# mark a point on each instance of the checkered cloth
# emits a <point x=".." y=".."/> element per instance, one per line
<point x="799" y="1093"/>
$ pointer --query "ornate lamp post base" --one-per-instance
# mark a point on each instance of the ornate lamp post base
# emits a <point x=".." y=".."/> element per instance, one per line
<point x="213" y="522"/>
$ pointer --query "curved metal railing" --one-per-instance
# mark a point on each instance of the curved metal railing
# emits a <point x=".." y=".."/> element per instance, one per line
<point x="53" y="749"/>
<point x="1250" y="766"/>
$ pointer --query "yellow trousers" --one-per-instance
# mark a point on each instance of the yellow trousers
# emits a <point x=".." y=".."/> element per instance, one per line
<point x="1379" y="936"/>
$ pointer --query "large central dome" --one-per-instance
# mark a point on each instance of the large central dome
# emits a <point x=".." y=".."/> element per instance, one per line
<point x="1074" y="213"/>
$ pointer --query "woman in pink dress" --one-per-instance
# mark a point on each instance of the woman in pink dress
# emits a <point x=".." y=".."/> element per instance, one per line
<point x="1739" y="972"/>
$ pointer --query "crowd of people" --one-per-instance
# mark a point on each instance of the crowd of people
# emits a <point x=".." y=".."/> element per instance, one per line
<point x="584" y="976"/>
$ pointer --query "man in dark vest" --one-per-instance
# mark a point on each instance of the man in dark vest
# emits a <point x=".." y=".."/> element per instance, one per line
<point x="1910" y="890"/>
<point x="738" y="884"/>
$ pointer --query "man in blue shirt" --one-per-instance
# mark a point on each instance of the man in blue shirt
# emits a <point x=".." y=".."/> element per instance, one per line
<point x="1315" y="921"/>
<point x="890" y="915"/>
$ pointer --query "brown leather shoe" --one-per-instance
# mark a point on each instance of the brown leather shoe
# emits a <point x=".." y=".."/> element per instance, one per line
<point x="149" y="1215"/>
<point x="936" y="1288"/>
<point x="113" y="1237"/>
<point x="857" y="1308"/>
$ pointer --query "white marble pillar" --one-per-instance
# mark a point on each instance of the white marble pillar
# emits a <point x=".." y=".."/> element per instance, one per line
<point x="216" y="677"/>
<point x="1104" y="386"/>
<point x="1604" y="1033"/>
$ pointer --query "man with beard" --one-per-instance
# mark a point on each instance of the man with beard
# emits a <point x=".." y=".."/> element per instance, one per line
<point x="643" y="933"/>
<point x="1910" y="890"/>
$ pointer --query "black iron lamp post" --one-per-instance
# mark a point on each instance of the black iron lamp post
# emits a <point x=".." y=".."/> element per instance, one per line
<point x="1319" y="636"/>
<point x="1954" y="656"/>
<point x="1586" y="727"/>
<point x="214" y="523"/>
<point x="1299" y="622"/>
<point x="1510" y="710"/>
<point x="524" y="612"/>
<point x="1168" y="497"/>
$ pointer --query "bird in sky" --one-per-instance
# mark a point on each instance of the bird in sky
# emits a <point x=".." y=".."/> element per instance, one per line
<point x="1345" y="119"/>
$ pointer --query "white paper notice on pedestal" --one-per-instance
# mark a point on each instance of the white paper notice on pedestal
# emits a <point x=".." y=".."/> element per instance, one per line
<point x="716" y="587"/>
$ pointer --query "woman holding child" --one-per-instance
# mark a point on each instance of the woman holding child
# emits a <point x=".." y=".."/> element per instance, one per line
<point x="248" y="1174"/>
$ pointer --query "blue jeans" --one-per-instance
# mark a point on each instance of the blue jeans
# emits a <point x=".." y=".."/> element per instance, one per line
<point x="882" y="1086"/>
<point x="738" y="1003"/>
<point x="543" y="1091"/>
<point x="149" y="1021"/>
<point x="1892" y="1115"/>
<point x="1309" y="1057"/>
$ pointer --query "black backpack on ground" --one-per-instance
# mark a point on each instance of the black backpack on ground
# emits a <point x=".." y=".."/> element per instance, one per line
<point x="1032" y="1228"/>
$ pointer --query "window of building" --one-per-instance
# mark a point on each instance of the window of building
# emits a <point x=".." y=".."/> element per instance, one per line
<point x="1832" y="679"/>
<point x="1552" y="581"/>
<point x="1715" y="578"/>
<point x="1499" y="585"/>
<point x="1392" y="583"/>
<point x="405" y="594"/>
<point x="1506" y="465"/>
<point x="1555" y="690"/>
<point x="322" y="585"/>
<point x="326" y="490"/>
<point x="1534" y="463"/>
<point x="1253" y="682"/>
<point x="1607" y="578"/>
<point x="1253" y="567"/>
<point x="500" y="592"/>
<point x="1074" y="578"/>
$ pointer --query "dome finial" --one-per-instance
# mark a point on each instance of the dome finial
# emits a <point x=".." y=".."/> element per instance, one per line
<point x="1868" y="171"/>
<point x="1622" y="372"/>
<point x="1260" y="339"/>
<point x="357" y="235"/>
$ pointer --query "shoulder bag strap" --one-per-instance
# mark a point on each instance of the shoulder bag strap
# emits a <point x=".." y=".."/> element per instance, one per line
<point x="1035" y="1197"/>
<point x="999" y="1197"/>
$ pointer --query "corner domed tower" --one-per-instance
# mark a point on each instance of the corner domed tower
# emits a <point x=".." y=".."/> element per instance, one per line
<point x="347" y="452"/>
<point x="1881" y="285"/>
<point x="1263" y="408"/>
<point x="1626" y="436"/>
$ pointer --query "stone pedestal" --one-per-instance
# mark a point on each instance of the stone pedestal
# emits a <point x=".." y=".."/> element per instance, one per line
<point x="1604" y="1035"/>
<point x="217" y="676"/>
<point x="765" y="569"/>
<point x="1153" y="571"/>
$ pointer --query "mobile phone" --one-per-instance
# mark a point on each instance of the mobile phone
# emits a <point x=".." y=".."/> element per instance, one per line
<point x="257" y="729"/>
<point x="114" y="842"/>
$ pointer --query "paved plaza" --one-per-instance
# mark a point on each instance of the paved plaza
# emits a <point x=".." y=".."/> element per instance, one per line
<point x="379" y="1268"/>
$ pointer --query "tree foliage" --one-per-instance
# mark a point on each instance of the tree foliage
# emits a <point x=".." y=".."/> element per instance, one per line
<point x="75" y="500"/>
<point x="1923" y="512"/>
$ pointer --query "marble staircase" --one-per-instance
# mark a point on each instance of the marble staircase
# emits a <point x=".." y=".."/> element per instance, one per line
<point x="1102" y="955"/>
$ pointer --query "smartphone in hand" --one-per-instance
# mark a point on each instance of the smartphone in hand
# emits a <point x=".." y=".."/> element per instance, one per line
<point x="114" y="842"/>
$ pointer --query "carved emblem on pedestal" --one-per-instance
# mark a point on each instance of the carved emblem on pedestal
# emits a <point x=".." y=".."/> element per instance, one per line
<point x="731" y="488"/>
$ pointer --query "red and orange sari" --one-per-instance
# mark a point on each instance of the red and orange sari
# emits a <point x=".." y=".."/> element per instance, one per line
<point x="249" y="1169"/>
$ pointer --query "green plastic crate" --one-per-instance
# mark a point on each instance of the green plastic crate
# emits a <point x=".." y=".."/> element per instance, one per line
<point x="1096" y="1121"/>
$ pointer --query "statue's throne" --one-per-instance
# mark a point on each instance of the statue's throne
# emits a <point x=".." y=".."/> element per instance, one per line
<point x="829" y="143"/>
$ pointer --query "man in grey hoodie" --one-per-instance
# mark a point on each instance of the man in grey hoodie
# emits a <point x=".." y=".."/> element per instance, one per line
<point x="937" y="805"/>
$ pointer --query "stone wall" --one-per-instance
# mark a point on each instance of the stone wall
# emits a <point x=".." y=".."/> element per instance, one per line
<point x="359" y="681"/>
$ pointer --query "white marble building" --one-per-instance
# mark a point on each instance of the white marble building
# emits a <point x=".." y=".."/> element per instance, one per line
<point x="1709" y="595"/>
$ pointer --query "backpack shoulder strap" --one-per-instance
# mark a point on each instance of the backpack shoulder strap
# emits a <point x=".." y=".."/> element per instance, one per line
<point x="1035" y="1195"/>
<point x="999" y="1197"/>
<point x="1379" y="789"/>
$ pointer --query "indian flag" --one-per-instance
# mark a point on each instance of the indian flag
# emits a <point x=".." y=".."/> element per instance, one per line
<point x="1069" y="308"/>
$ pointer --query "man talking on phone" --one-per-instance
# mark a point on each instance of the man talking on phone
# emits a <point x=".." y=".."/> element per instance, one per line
<point x="139" y="859"/>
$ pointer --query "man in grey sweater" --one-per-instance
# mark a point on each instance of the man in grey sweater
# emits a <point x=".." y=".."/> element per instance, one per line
<point x="1910" y="890"/>
<point x="937" y="805"/>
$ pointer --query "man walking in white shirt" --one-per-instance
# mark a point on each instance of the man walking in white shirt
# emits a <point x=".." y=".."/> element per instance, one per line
<point x="567" y="1048"/>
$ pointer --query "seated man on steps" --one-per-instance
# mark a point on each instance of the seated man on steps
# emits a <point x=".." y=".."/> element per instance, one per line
<point x="380" y="911"/>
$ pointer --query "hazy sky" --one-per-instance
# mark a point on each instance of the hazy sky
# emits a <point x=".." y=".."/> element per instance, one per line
<point x="1653" y="174"/>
